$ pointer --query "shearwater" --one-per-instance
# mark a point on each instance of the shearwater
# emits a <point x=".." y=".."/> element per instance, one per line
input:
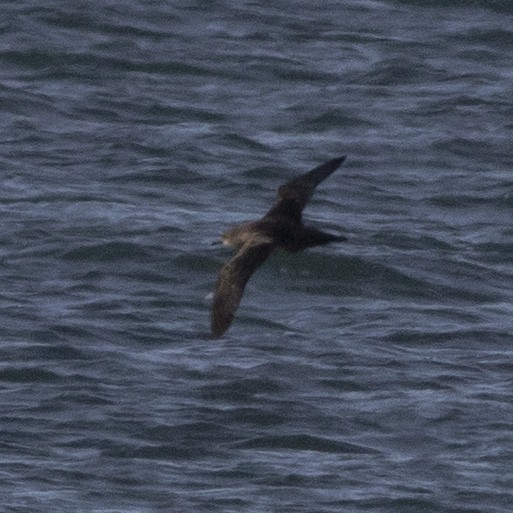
<point x="281" y="228"/>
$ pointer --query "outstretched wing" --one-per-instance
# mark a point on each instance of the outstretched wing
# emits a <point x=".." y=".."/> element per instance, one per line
<point x="294" y="195"/>
<point x="232" y="280"/>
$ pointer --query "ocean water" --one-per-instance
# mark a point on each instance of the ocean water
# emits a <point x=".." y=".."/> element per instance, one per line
<point x="374" y="375"/>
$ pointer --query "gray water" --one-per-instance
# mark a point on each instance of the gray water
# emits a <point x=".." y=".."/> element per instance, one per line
<point x="373" y="375"/>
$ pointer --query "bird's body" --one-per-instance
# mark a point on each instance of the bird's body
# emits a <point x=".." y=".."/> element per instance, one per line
<point x="281" y="228"/>
<point x="285" y="234"/>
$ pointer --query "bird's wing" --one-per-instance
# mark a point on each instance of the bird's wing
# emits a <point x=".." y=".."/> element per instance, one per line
<point x="295" y="194"/>
<point x="232" y="279"/>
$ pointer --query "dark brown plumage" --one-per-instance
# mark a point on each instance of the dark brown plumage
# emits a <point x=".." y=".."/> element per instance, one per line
<point x="281" y="228"/>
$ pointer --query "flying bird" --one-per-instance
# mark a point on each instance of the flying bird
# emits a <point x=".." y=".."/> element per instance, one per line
<point x="281" y="228"/>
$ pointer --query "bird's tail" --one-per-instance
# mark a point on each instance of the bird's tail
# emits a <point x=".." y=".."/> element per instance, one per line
<point x="313" y="237"/>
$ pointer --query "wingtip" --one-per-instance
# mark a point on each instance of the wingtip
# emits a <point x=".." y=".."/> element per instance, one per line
<point x="335" y="163"/>
<point x="219" y="324"/>
<point x="217" y="330"/>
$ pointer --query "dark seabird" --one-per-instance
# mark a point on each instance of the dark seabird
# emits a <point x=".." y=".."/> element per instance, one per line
<point x="281" y="228"/>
